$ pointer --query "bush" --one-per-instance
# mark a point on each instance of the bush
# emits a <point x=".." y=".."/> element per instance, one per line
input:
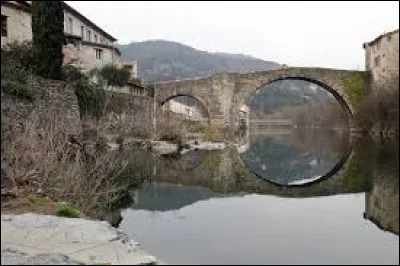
<point x="381" y="106"/>
<point x="114" y="76"/>
<point x="65" y="210"/>
<point x="17" y="87"/>
<point x="14" y="74"/>
<point x="91" y="97"/>
<point x="42" y="157"/>
<point x="18" y="56"/>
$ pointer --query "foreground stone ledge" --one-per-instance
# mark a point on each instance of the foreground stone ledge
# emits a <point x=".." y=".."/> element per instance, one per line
<point x="49" y="240"/>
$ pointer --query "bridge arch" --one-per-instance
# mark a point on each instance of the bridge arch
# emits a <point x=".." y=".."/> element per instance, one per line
<point x="334" y="92"/>
<point x="171" y="97"/>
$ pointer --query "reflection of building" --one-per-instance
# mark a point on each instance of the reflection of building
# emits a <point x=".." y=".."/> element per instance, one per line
<point x="382" y="204"/>
<point x="86" y="45"/>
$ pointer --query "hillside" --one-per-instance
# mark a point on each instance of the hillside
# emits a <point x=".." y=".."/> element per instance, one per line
<point x="161" y="60"/>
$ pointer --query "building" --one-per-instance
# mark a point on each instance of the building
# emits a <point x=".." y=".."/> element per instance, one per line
<point x="189" y="112"/>
<point x="382" y="58"/>
<point x="86" y="45"/>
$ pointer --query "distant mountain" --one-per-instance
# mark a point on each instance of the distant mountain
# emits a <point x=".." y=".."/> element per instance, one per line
<point x="161" y="60"/>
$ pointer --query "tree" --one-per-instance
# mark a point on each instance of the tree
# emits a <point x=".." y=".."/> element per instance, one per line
<point x="114" y="76"/>
<point x="48" y="37"/>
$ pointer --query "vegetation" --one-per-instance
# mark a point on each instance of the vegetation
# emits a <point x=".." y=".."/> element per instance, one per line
<point x="48" y="37"/>
<point x="45" y="158"/>
<point x="66" y="210"/>
<point x="91" y="96"/>
<point x="354" y="88"/>
<point x="17" y="85"/>
<point x="380" y="108"/>
<point x="114" y="76"/>
<point x="15" y="69"/>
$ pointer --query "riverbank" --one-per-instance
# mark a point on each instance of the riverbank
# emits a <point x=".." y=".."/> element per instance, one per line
<point x="45" y="239"/>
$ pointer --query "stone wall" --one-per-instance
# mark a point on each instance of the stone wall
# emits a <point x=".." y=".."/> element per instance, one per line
<point x="127" y="115"/>
<point x="52" y="100"/>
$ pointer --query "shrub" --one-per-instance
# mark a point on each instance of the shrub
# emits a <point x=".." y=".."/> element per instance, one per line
<point x="18" y="56"/>
<point x="380" y="106"/>
<point x="91" y="97"/>
<point x="13" y="74"/>
<point x="18" y="88"/>
<point x="114" y="76"/>
<point x="44" y="158"/>
<point x="66" y="210"/>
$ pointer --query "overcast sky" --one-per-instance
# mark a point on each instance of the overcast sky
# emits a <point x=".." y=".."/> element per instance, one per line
<point x="324" y="34"/>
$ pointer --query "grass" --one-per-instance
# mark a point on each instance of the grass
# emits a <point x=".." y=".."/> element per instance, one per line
<point x="66" y="210"/>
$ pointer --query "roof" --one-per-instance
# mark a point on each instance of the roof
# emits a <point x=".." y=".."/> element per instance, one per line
<point x="25" y="5"/>
<point x="86" y="20"/>
<point x="18" y="5"/>
<point x="377" y="39"/>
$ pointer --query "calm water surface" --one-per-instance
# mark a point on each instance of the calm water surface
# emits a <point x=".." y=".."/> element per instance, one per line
<point x="298" y="198"/>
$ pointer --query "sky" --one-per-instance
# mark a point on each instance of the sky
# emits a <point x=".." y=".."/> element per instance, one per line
<point x="308" y="34"/>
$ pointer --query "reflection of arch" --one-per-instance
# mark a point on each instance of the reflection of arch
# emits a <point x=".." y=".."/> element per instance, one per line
<point x="340" y="164"/>
<point x="202" y="104"/>
<point x="334" y="92"/>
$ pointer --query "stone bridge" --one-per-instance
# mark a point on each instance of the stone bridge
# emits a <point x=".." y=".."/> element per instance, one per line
<point x="224" y="94"/>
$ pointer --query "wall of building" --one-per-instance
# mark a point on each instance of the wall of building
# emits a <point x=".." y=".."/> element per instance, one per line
<point x="75" y="29"/>
<point x="19" y="25"/>
<point x="382" y="58"/>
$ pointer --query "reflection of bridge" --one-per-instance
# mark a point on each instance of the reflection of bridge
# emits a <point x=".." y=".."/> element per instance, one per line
<point x="223" y="172"/>
<point x="271" y="122"/>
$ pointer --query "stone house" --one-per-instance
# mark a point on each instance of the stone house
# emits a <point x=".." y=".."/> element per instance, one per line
<point x="86" y="45"/>
<point x="382" y="58"/>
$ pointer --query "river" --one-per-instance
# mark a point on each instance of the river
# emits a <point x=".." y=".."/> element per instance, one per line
<point x="304" y="197"/>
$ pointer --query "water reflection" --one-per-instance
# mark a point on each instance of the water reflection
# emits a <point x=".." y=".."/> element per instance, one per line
<point x="211" y="208"/>
<point x="297" y="158"/>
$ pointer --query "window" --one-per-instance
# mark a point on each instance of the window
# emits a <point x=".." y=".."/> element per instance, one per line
<point x="98" y="53"/>
<point x="88" y="37"/>
<point x="4" y="32"/>
<point x="82" y="31"/>
<point x="70" y="25"/>
<point x="95" y="38"/>
<point x="376" y="61"/>
<point x="101" y="39"/>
